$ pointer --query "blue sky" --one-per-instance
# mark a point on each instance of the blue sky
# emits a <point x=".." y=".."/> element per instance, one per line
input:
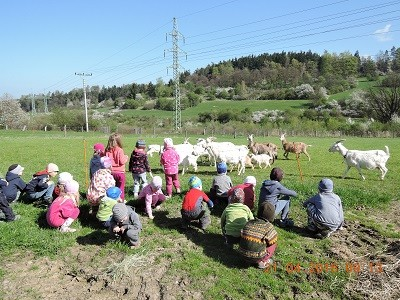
<point x="44" y="42"/>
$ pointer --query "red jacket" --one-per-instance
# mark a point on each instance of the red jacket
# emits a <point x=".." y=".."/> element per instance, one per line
<point x="249" y="196"/>
<point x="193" y="199"/>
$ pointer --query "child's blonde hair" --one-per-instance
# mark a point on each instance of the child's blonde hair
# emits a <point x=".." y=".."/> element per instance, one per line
<point x="114" y="140"/>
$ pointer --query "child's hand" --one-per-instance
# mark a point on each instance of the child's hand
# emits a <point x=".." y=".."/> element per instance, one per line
<point x="50" y="182"/>
<point x="116" y="229"/>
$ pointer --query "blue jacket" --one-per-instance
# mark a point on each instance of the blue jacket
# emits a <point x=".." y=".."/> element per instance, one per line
<point x="271" y="190"/>
<point x="15" y="184"/>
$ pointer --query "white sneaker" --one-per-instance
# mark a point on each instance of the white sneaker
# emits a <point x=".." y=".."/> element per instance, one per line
<point x="67" y="229"/>
<point x="158" y="207"/>
<point x="135" y="196"/>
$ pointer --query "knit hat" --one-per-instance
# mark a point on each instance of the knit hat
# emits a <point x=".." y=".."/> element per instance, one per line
<point x="120" y="211"/>
<point x="250" y="179"/>
<point x="221" y="167"/>
<point x="113" y="192"/>
<point x="72" y="187"/>
<point x="194" y="182"/>
<point x="276" y="174"/>
<point x="52" y="168"/>
<point x="15" y="169"/>
<point x="140" y="144"/>
<point x="98" y="147"/>
<point x="237" y="196"/>
<point x="266" y="211"/>
<point x="156" y="182"/>
<point x="106" y="162"/>
<point x="325" y="185"/>
<point x="168" y="143"/>
<point x="64" y="177"/>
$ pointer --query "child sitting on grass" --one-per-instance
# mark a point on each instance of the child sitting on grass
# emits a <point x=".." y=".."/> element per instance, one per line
<point x="234" y="217"/>
<point x="151" y="196"/>
<point x="112" y="197"/>
<point x="6" y="212"/>
<point x="248" y="187"/>
<point x="125" y="224"/>
<point x="193" y="207"/>
<point x="16" y="185"/>
<point x="65" y="208"/>
<point x="324" y="210"/>
<point x="221" y="184"/>
<point x="101" y="181"/>
<point x="41" y="186"/>
<point x="258" y="239"/>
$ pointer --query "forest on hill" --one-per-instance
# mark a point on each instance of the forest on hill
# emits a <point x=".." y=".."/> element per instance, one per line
<point x="277" y="76"/>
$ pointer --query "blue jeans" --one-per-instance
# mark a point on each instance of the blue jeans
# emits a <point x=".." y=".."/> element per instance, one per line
<point x="137" y="179"/>
<point x="283" y="207"/>
<point x="46" y="194"/>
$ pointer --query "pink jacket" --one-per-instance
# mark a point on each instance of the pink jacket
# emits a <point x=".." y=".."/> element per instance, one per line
<point x="151" y="198"/>
<point x="119" y="159"/>
<point x="62" y="208"/>
<point x="170" y="160"/>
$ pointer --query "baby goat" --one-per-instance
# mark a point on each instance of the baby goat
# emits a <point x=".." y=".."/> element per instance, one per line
<point x="371" y="159"/>
<point x="293" y="147"/>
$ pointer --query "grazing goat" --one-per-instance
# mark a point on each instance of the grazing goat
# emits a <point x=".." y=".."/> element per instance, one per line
<point x="260" y="148"/>
<point x="154" y="149"/>
<point x="213" y="147"/>
<point x="234" y="156"/>
<point x="293" y="147"/>
<point x="261" y="159"/>
<point x="371" y="159"/>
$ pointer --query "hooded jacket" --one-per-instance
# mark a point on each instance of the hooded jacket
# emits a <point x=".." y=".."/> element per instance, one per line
<point x="138" y="162"/>
<point x="271" y="190"/>
<point x="15" y="184"/>
<point x="38" y="182"/>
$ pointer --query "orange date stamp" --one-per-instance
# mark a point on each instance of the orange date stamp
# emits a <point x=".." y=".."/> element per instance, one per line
<point x="328" y="267"/>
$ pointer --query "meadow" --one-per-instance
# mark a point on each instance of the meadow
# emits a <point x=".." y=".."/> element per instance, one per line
<point x="175" y="264"/>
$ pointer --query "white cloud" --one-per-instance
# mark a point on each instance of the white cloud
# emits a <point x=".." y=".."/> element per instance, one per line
<point x="383" y="35"/>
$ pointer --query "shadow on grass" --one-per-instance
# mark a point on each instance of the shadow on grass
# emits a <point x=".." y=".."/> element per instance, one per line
<point x="213" y="244"/>
<point x="97" y="237"/>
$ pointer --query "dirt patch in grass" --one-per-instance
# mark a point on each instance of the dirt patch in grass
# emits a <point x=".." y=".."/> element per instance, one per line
<point x="86" y="272"/>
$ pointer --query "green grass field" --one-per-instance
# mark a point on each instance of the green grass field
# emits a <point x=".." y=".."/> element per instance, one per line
<point x="211" y="269"/>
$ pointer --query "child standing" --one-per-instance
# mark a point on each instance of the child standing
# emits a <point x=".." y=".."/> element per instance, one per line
<point x="119" y="159"/>
<point x="125" y="224"/>
<point x="170" y="160"/>
<point x="107" y="203"/>
<point x="65" y="208"/>
<point x="221" y="184"/>
<point x="16" y="185"/>
<point x="139" y="165"/>
<point x="101" y="181"/>
<point x="279" y="196"/>
<point x="234" y="217"/>
<point x="324" y="210"/>
<point x="95" y="162"/>
<point x="152" y="196"/>
<point x="193" y="207"/>
<point x="6" y="212"/>
<point x="41" y="186"/>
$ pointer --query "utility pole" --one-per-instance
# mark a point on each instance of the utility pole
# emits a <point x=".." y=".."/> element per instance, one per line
<point x="175" y="67"/>
<point x="46" y="110"/>
<point x="84" y="97"/>
<point x="33" y="106"/>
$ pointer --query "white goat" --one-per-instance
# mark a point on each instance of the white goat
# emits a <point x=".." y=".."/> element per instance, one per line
<point x="261" y="159"/>
<point x="187" y="156"/>
<point x="212" y="147"/>
<point x="234" y="156"/>
<point x="371" y="159"/>
<point x="154" y="149"/>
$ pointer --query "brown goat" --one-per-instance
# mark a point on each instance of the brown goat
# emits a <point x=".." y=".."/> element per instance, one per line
<point x="294" y="147"/>
<point x="258" y="148"/>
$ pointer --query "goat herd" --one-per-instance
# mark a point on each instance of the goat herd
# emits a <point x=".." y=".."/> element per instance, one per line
<point x="264" y="154"/>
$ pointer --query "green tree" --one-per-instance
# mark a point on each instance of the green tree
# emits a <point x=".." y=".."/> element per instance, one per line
<point x="384" y="102"/>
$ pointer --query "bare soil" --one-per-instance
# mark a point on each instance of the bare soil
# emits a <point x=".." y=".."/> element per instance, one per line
<point x="142" y="277"/>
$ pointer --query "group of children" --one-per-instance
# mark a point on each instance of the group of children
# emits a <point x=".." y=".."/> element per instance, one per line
<point x="255" y="235"/>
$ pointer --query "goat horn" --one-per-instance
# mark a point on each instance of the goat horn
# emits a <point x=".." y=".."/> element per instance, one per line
<point x="339" y="141"/>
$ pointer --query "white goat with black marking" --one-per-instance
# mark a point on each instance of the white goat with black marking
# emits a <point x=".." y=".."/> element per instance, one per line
<point x="371" y="159"/>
